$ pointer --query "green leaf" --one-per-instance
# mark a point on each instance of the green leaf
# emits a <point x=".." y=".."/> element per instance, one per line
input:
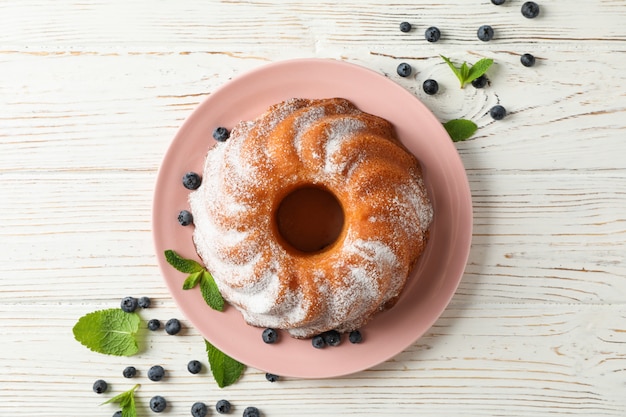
<point x="126" y="400"/>
<point x="210" y="292"/>
<point x="183" y="265"/>
<point x="479" y="69"/>
<point x="225" y="369"/>
<point x="466" y="73"/>
<point x="460" y="129"/>
<point x="454" y="69"/>
<point x="111" y="331"/>
<point x="193" y="280"/>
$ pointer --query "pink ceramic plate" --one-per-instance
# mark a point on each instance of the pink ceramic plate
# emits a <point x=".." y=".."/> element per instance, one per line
<point x="433" y="281"/>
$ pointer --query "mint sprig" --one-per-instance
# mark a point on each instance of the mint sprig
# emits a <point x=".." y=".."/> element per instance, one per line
<point x="111" y="331"/>
<point x="198" y="275"/>
<point x="126" y="400"/>
<point x="467" y="74"/>
<point x="460" y="129"/>
<point x="225" y="369"/>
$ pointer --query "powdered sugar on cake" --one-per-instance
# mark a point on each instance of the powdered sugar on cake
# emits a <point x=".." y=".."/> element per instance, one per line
<point x="305" y="142"/>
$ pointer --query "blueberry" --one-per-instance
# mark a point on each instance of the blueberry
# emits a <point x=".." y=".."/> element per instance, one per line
<point x="527" y="60"/>
<point x="405" y="27"/>
<point x="100" y="386"/>
<point x="172" y="326"/>
<point x="129" y="304"/>
<point x="497" y="112"/>
<point x="154" y="324"/>
<point x="355" y="336"/>
<point x="480" y="82"/>
<point x="318" y="342"/>
<point x="271" y="377"/>
<point x="129" y="372"/>
<point x="430" y="86"/>
<point x="497" y="2"/>
<point x="185" y="218"/>
<point x="404" y="70"/>
<point x="432" y="34"/>
<point x="118" y="413"/>
<point x="530" y="9"/>
<point x="269" y="336"/>
<point x="332" y="338"/>
<point x="191" y="180"/>
<point x="156" y="373"/>
<point x="194" y="367"/>
<point x="222" y="407"/>
<point x="158" y="404"/>
<point x="251" y="412"/>
<point x="485" y="33"/>
<point x="198" y="409"/>
<point x="143" y="302"/>
<point x="220" y="134"/>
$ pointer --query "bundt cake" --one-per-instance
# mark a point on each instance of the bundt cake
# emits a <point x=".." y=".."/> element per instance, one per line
<point x="311" y="217"/>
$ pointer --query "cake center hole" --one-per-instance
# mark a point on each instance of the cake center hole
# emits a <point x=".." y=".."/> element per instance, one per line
<point x="309" y="219"/>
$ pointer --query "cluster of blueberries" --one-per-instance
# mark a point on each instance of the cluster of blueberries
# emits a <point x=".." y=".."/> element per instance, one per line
<point x="157" y="373"/>
<point x="158" y="404"/>
<point x="130" y="304"/>
<point x="192" y="180"/>
<point x="484" y="33"/>
<point x="329" y="338"/>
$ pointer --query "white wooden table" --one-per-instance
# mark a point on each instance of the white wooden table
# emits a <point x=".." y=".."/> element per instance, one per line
<point x="92" y="93"/>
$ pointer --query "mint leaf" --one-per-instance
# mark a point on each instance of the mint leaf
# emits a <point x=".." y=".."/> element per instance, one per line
<point x="467" y="74"/>
<point x="478" y="69"/>
<point x="193" y="280"/>
<point x="126" y="400"/>
<point x="465" y="70"/>
<point x="460" y="129"/>
<point x="111" y="332"/>
<point x="454" y="69"/>
<point x="181" y="264"/>
<point x="225" y="369"/>
<point x="210" y="292"/>
<point x="197" y="275"/>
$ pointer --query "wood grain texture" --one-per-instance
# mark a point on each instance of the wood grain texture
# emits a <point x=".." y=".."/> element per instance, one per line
<point x="92" y="92"/>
